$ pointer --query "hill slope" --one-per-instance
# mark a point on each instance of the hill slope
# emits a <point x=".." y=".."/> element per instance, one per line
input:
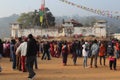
<point x="5" y="25"/>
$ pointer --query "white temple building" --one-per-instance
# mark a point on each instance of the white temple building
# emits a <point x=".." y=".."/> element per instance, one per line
<point x="99" y="29"/>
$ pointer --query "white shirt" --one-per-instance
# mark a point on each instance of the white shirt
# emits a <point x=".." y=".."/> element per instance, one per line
<point x="22" y="49"/>
<point x="84" y="52"/>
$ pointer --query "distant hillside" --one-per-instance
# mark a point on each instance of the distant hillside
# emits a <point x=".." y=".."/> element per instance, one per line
<point x="86" y="21"/>
<point x="5" y="25"/>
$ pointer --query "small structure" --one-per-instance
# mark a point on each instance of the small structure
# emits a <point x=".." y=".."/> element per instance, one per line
<point x="15" y="29"/>
<point x="117" y="36"/>
<point x="99" y="29"/>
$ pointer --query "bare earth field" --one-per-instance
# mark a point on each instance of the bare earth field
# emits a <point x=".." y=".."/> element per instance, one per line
<point x="54" y="70"/>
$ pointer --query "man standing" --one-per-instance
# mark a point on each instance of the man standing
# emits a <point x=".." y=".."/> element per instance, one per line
<point x="18" y="57"/>
<point x="22" y="50"/>
<point x="1" y="52"/>
<point x="31" y="55"/>
<point x="46" y="47"/>
<point x="94" y="54"/>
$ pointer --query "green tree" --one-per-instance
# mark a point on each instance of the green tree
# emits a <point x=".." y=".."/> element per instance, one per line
<point x="26" y="19"/>
<point x="48" y="19"/>
<point x="32" y="19"/>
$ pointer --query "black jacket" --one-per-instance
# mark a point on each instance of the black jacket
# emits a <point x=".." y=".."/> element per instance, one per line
<point x="31" y="47"/>
<point x="1" y="48"/>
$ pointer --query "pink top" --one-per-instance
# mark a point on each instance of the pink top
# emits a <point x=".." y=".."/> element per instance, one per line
<point x="111" y="58"/>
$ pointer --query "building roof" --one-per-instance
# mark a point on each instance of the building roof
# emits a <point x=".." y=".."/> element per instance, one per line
<point x="101" y="21"/>
<point x="15" y="23"/>
<point x="74" y="22"/>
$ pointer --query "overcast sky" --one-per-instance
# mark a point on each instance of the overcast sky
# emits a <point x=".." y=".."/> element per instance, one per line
<point x="58" y="8"/>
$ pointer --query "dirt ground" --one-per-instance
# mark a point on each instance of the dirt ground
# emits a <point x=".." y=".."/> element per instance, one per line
<point x="54" y="70"/>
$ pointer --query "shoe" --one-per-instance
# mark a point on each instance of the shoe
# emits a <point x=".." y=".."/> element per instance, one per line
<point x="75" y="64"/>
<point x="30" y="79"/>
<point x="91" y="66"/>
<point x="115" y="69"/>
<point x="86" y="67"/>
<point x="64" y="64"/>
<point x="24" y="71"/>
<point x="95" y="66"/>
<point x="32" y="76"/>
<point x="49" y="59"/>
<point x="14" y="69"/>
<point x="20" y="69"/>
<point x="36" y="67"/>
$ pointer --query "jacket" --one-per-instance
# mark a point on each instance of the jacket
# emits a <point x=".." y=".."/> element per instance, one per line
<point x="31" y="47"/>
<point x="22" y="49"/>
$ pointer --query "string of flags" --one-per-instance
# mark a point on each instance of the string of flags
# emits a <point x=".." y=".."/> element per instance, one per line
<point x="110" y="14"/>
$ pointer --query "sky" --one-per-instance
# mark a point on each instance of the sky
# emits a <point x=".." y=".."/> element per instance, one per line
<point x="58" y="8"/>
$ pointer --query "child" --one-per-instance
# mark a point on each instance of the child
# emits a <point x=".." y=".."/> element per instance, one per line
<point x="112" y="62"/>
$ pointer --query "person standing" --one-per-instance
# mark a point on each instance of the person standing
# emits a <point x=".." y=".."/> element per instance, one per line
<point x="38" y="55"/>
<point x="1" y="52"/>
<point x="94" y="53"/>
<point x="18" y="57"/>
<point x="74" y="52"/>
<point x="112" y="62"/>
<point x="85" y="54"/>
<point x="117" y="50"/>
<point x="31" y="55"/>
<point x="46" y="51"/>
<point x="112" y="58"/>
<point x="65" y="53"/>
<point x="12" y="51"/>
<point x="102" y="53"/>
<point x="52" y="48"/>
<point x="22" y="50"/>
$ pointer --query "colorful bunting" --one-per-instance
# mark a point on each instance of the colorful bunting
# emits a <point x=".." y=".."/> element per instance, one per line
<point x="107" y="13"/>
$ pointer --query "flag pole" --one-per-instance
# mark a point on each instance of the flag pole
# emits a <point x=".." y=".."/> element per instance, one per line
<point x="42" y="8"/>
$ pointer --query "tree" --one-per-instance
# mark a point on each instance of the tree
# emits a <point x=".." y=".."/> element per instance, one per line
<point x="32" y="19"/>
<point x="49" y="19"/>
<point x="26" y="19"/>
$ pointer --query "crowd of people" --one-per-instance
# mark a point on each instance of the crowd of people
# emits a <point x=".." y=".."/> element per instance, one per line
<point x="23" y="52"/>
